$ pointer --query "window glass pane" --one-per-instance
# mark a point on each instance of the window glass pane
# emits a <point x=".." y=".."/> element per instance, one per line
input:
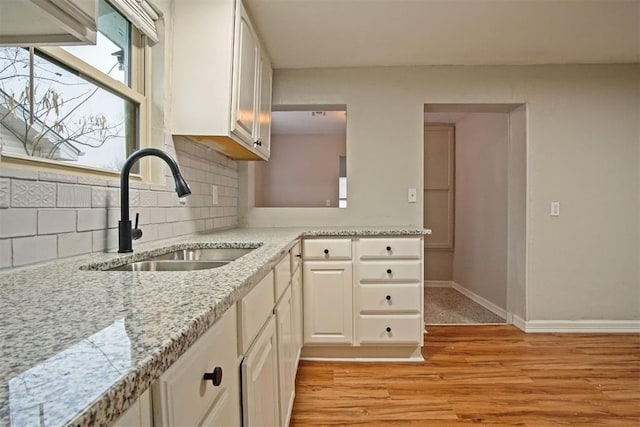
<point x="73" y="119"/>
<point x="112" y="52"/>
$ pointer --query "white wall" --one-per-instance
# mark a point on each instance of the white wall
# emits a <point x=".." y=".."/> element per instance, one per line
<point x="517" y="193"/>
<point x="302" y="171"/>
<point x="480" y="257"/>
<point x="583" y="143"/>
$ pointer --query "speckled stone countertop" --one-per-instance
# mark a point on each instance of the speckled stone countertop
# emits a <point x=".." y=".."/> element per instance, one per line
<point x="79" y="346"/>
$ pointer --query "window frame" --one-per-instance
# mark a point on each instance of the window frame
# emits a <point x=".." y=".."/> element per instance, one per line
<point x="137" y="93"/>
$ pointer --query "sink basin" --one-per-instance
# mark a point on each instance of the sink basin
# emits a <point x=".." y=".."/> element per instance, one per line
<point x="208" y="254"/>
<point x="154" y="265"/>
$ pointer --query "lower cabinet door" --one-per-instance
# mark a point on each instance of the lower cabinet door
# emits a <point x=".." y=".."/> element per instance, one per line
<point x="260" y="402"/>
<point x="286" y="355"/>
<point x="328" y="299"/>
<point x="204" y="383"/>
<point x="296" y="304"/>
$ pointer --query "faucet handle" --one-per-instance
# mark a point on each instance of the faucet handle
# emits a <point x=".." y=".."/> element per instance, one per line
<point x="136" y="233"/>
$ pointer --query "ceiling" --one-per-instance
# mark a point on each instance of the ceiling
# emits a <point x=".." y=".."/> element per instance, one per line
<point x="308" y="122"/>
<point x="357" y="33"/>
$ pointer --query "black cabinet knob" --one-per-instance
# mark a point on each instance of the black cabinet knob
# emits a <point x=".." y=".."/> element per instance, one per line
<point x="388" y="271"/>
<point x="299" y="255"/>
<point x="215" y="376"/>
<point x="388" y="329"/>
<point x="388" y="297"/>
<point x="326" y="251"/>
<point x="388" y="248"/>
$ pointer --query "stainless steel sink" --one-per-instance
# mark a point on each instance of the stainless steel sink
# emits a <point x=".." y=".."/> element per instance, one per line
<point x="208" y="254"/>
<point x="186" y="260"/>
<point x="155" y="265"/>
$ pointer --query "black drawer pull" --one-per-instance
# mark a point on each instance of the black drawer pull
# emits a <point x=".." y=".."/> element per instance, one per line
<point x="326" y="251"/>
<point x="388" y="329"/>
<point x="389" y="248"/>
<point x="215" y="376"/>
<point x="388" y="297"/>
<point x="388" y="271"/>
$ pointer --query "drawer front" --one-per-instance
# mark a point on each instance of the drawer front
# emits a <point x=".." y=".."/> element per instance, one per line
<point x="255" y="309"/>
<point x="390" y="271"/>
<point x="389" y="298"/>
<point x="327" y="249"/>
<point x="282" y="276"/>
<point x="408" y="248"/>
<point x="390" y="329"/>
<point x="181" y="396"/>
<point x="296" y="256"/>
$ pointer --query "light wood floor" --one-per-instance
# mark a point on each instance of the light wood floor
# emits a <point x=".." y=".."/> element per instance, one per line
<point x="481" y="375"/>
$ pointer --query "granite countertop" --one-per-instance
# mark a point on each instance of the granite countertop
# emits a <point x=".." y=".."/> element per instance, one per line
<point x="79" y="346"/>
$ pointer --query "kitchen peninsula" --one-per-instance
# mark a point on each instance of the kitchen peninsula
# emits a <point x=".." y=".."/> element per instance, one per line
<point x="80" y="345"/>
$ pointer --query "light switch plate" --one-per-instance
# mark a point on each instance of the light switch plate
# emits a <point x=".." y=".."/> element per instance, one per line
<point x="412" y="195"/>
<point x="555" y="208"/>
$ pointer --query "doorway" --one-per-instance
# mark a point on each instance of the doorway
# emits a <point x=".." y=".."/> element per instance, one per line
<point x="474" y="197"/>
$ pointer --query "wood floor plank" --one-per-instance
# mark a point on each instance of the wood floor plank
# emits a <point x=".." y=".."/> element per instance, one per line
<point x="481" y="375"/>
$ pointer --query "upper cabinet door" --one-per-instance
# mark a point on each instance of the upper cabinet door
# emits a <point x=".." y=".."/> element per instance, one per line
<point x="244" y="85"/>
<point x="47" y="22"/>
<point x="264" y="111"/>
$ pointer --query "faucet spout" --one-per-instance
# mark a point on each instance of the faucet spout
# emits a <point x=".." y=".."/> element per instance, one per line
<point x="125" y="235"/>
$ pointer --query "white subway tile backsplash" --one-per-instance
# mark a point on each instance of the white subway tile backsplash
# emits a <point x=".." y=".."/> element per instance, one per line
<point x="148" y="198"/>
<point x="5" y="193"/>
<point x="29" y="250"/>
<point x="32" y="194"/>
<point x="6" y="259"/>
<point x="105" y="240"/>
<point x="18" y="222"/>
<point x="167" y="199"/>
<point x="72" y="244"/>
<point x="57" y="177"/>
<point x="16" y="173"/>
<point x="79" y="215"/>
<point x="74" y="196"/>
<point x="89" y="180"/>
<point x="92" y="219"/>
<point x="54" y="221"/>
<point x="157" y="215"/>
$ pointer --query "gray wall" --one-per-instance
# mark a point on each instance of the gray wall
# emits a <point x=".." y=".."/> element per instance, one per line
<point x="582" y="150"/>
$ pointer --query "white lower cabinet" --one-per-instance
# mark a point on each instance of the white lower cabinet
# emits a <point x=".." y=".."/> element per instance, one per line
<point x="328" y="300"/>
<point x="260" y="403"/>
<point x="139" y="414"/>
<point x="363" y="298"/>
<point x="202" y="386"/>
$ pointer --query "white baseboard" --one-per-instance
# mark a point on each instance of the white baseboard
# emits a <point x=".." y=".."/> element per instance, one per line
<point x="582" y="326"/>
<point x="438" y="283"/>
<point x="517" y="321"/>
<point x="480" y="300"/>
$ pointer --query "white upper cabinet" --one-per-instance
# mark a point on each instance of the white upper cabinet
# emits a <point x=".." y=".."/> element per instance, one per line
<point x="47" y="22"/>
<point x="221" y="79"/>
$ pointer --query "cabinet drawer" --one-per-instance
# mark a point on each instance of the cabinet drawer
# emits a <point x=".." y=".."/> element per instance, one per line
<point x="296" y="256"/>
<point x="327" y="249"/>
<point x="389" y="298"/>
<point x="390" y="271"/>
<point x="255" y="309"/>
<point x="396" y="329"/>
<point x="282" y="276"/>
<point x="181" y="396"/>
<point x="384" y="248"/>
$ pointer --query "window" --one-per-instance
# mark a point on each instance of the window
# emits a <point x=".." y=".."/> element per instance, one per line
<point x="79" y="105"/>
